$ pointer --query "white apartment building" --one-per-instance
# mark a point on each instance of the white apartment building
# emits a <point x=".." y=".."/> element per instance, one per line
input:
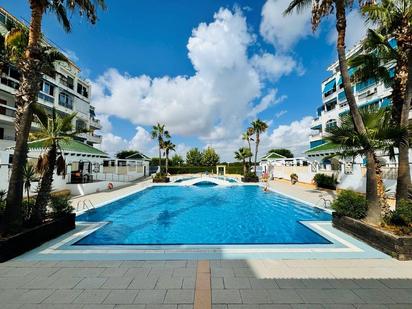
<point x="334" y="104"/>
<point x="66" y="91"/>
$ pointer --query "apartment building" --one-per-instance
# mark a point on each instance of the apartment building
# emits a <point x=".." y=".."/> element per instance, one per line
<point x="371" y="93"/>
<point x="66" y="91"/>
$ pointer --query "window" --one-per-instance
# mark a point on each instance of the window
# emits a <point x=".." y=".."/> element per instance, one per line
<point x="80" y="125"/>
<point x="2" y="18"/>
<point x="70" y="82"/>
<point x="48" y="88"/>
<point x="331" y="123"/>
<point x="82" y="90"/>
<point x="66" y="100"/>
<point x="13" y="73"/>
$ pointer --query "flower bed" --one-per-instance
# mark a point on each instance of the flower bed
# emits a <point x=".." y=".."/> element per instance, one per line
<point x="31" y="238"/>
<point x="399" y="247"/>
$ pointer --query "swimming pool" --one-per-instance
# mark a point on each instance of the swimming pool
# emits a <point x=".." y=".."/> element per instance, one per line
<point x="204" y="215"/>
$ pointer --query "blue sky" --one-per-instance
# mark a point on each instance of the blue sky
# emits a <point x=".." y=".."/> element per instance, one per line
<point x="200" y="67"/>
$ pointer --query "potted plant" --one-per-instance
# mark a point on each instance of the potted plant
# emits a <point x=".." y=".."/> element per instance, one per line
<point x="294" y="178"/>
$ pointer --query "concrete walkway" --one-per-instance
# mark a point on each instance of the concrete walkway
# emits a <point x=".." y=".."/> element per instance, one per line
<point x="224" y="284"/>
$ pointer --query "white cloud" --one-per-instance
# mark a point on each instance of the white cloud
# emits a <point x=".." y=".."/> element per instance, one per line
<point x="267" y="101"/>
<point x="283" y="31"/>
<point x="294" y="136"/>
<point x="281" y="113"/>
<point x="274" y="67"/>
<point x="219" y="92"/>
<point x="355" y="31"/>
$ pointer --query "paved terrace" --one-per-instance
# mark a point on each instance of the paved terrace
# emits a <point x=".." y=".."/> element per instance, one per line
<point x="219" y="284"/>
<point x="228" y="284"/>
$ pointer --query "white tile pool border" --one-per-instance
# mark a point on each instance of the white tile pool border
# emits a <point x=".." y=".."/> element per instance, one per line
<point x="342" y="245"/>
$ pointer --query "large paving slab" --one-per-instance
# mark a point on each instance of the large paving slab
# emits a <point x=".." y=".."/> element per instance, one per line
<point x="372" y="283"/>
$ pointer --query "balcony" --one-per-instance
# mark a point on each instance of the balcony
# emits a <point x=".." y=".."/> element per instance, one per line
<point x="91" y="137"/>
<point x="95" y="123"/>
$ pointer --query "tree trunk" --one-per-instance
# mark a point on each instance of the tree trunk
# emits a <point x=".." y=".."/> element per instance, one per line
<point x="26" y="96"/>
<point x="45" y="186"/>
<point x="373" y="215"/>
<point x="250" y="149"/>
<point x="371" y="184"/>
<point x="244" y="167"/>
<point x="256" y="150"/>
<point x="401" y="99"/>
<point x="167" y="162"/>
<point x="160" y="159"/>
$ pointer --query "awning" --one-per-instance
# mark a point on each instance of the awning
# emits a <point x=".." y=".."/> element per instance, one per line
<point x="317" y="127"/>
<point x="329" y="86"/>
<point x="351" y="72"/>
<point x="393" y="43"/>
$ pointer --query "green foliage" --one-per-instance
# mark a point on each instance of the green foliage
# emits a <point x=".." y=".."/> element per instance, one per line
<point x="155" y="161"/>
<point x="176" y="160"/>
<point x="243" y="153"/>
<point x="250" y="177"/>
<point x="402" y="215"/>
<point x="160" y="177"/>
<point x="187" y="169"/>
<point x="351" y="204"/>
<point x="294" y="178"/>
<point x="125" y="153"/>
<point x="60" y="206"/>
<point x="325" y="181"/>
<point x="194" y="157"/>
<point x="234" y="168"/>
<point x="27" y="210"/>
<point x="210" y="157"/>
<point x="283" y="152"/>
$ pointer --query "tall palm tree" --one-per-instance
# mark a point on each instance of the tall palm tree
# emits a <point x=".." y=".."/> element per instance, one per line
<point x="160" y="133"/>
<point x="167" y="147"/>
<point x="54" y="130"/>
<point x="30" y="67"/>
<point x="373" y="64"/>
<point x="394" y="20"/>
<point x="380" y="135"/>
<point x="247" y="136"/>
<point x="259" y="127"/>
<point x="321" y="9"/>
<point x="242" y="154"/>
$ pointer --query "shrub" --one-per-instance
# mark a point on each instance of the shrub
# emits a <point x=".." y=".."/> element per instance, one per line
<point x="294" y="178"/>
<point x="402" y="215"/>
<point x="160" y="177"/>
<point x="61" y="206"/>
<point x="27" y="209"/>
<point x="351" y="204"/>
<point x="188" y="169"/>
<point x="250" y="177"/>
<point x="325" y="181"/>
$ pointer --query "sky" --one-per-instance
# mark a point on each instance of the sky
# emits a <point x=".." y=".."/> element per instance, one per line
<point x="205" y="69"/>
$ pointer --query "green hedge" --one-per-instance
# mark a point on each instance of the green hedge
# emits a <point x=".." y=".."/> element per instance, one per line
<point x="176" y="170"/>
<point x="325" y="181"/>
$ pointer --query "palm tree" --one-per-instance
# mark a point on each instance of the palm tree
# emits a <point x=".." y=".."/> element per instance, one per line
<point x="247" y="136"/>
<point x="380" y="135"/>
<point x="321" y="9"/>
<point x="259" y="127"/>
<point x="31" y="67"/>
<point x="242" y="154"/>
<point x="393" y="18"/>
<point x="373" y="65"/>
<point x="28" y="177"/>
<point x="167" y="147"/>
<point x="159" y="133"/>
<point x="54" y="130"/>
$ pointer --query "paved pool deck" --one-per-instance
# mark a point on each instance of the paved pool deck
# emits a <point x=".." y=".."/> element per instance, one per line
<point x="215" y="283"/>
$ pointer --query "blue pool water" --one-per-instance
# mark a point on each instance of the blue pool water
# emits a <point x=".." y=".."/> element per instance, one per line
<point x="204" y="215"/>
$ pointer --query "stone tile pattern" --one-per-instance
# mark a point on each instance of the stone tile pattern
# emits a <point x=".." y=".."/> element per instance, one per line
<point x="234" y="284"/>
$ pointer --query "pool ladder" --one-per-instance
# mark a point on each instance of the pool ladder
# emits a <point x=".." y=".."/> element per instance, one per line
<point x="86" y="206"/>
